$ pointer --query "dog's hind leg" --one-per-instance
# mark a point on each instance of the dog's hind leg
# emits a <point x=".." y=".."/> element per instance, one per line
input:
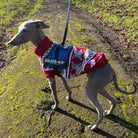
<point x="92" y="95"/>
<point x="67" y="89"/>
<point x="111" y="100"/>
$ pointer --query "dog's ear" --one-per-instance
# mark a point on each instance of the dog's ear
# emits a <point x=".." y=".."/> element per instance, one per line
<point x="40" y="24"/>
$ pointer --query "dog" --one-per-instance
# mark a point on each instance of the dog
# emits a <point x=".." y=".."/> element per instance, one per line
<point x="99" y="71"/>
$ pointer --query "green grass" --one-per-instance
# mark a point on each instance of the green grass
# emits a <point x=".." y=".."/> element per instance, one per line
<point x="119" y="14"/>
<point x="11" y="13"/>
<point x="16" y="10"/>
<point x="22" y="103"/>
<point x="20" y="97"/>
<point x="17" y="110"/>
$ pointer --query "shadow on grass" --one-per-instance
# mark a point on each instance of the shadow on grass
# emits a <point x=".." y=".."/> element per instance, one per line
<point x="123" y="123"/>
<point x="114" y="118"/>
<point x="82" y="105"/>
<point x="99" y="131"/>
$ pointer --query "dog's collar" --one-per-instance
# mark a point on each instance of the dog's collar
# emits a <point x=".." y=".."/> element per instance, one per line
<point x="42" y="47"/>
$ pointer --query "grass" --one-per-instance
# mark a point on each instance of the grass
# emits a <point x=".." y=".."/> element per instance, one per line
<point x="20" y="97"/>
<point x="13" y="12"/>
<point x="23" y="107"/>
<point x="16" y="10"/>
<point x="17" y="110"/>
<point x="120" y="14"/>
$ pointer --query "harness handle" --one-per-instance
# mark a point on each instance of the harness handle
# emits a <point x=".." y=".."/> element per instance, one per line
<point x="67" y="22"/>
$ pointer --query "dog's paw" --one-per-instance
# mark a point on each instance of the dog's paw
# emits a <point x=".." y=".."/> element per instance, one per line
<point x="54" y="107"/>
<point x="91" y="127"/>
<point x="107" y="112"/>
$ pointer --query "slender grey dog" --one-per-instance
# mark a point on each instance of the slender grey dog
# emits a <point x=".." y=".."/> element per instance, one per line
<point x="31" y="30"/>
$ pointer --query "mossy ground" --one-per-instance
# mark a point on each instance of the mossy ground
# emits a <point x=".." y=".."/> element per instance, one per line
<point x="25" y="110"/>
<point x="20" y="84"/>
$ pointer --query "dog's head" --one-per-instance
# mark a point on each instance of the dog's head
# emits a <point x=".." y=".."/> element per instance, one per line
<point x="27" y="31"/>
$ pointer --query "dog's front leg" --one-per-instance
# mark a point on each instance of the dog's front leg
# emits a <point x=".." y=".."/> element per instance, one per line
<point x="67" y="89"/>
<point x="52" y="84"/>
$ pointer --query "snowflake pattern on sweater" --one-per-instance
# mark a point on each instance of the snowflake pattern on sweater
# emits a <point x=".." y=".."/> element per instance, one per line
<point x="81" y="60"/>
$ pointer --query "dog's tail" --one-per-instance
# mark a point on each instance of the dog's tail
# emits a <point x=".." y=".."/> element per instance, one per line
<point x="117" y="87"/>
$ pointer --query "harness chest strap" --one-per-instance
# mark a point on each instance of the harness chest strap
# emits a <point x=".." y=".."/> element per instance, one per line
<point x="56" y="66"/>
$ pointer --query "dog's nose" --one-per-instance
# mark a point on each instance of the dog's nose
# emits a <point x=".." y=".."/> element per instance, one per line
<point x="11" y="42"/>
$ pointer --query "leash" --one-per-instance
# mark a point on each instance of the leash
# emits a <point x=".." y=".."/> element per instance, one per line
<point x="67" y="22"/>
<point x="63" y="42"/>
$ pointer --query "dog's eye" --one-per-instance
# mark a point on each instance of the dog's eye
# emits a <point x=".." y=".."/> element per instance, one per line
<point x="24" y="30"/>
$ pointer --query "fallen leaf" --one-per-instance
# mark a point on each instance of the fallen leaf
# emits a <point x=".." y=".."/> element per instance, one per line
<point x="106" y="8"/>
<point x="98" y="16"/>
<point x="103" y="4"/>
<point x="12" y="35"/>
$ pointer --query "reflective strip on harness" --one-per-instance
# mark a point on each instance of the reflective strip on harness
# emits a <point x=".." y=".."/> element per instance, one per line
<point x="58" y="56"/>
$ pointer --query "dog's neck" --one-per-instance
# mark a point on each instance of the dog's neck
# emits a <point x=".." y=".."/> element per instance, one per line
<point x="38" y="38"/>
<point x="42" y="45"/>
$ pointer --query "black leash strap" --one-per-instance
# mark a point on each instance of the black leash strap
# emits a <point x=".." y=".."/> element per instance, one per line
<point x="67" y="22"/>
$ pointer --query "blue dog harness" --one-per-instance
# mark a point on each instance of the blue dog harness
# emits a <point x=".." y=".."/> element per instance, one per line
<point x="57" y="56"/>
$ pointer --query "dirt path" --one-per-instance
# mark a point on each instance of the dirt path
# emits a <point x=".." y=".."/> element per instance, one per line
<point x="30" y="113"/>
<point x="126" y="53"/>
